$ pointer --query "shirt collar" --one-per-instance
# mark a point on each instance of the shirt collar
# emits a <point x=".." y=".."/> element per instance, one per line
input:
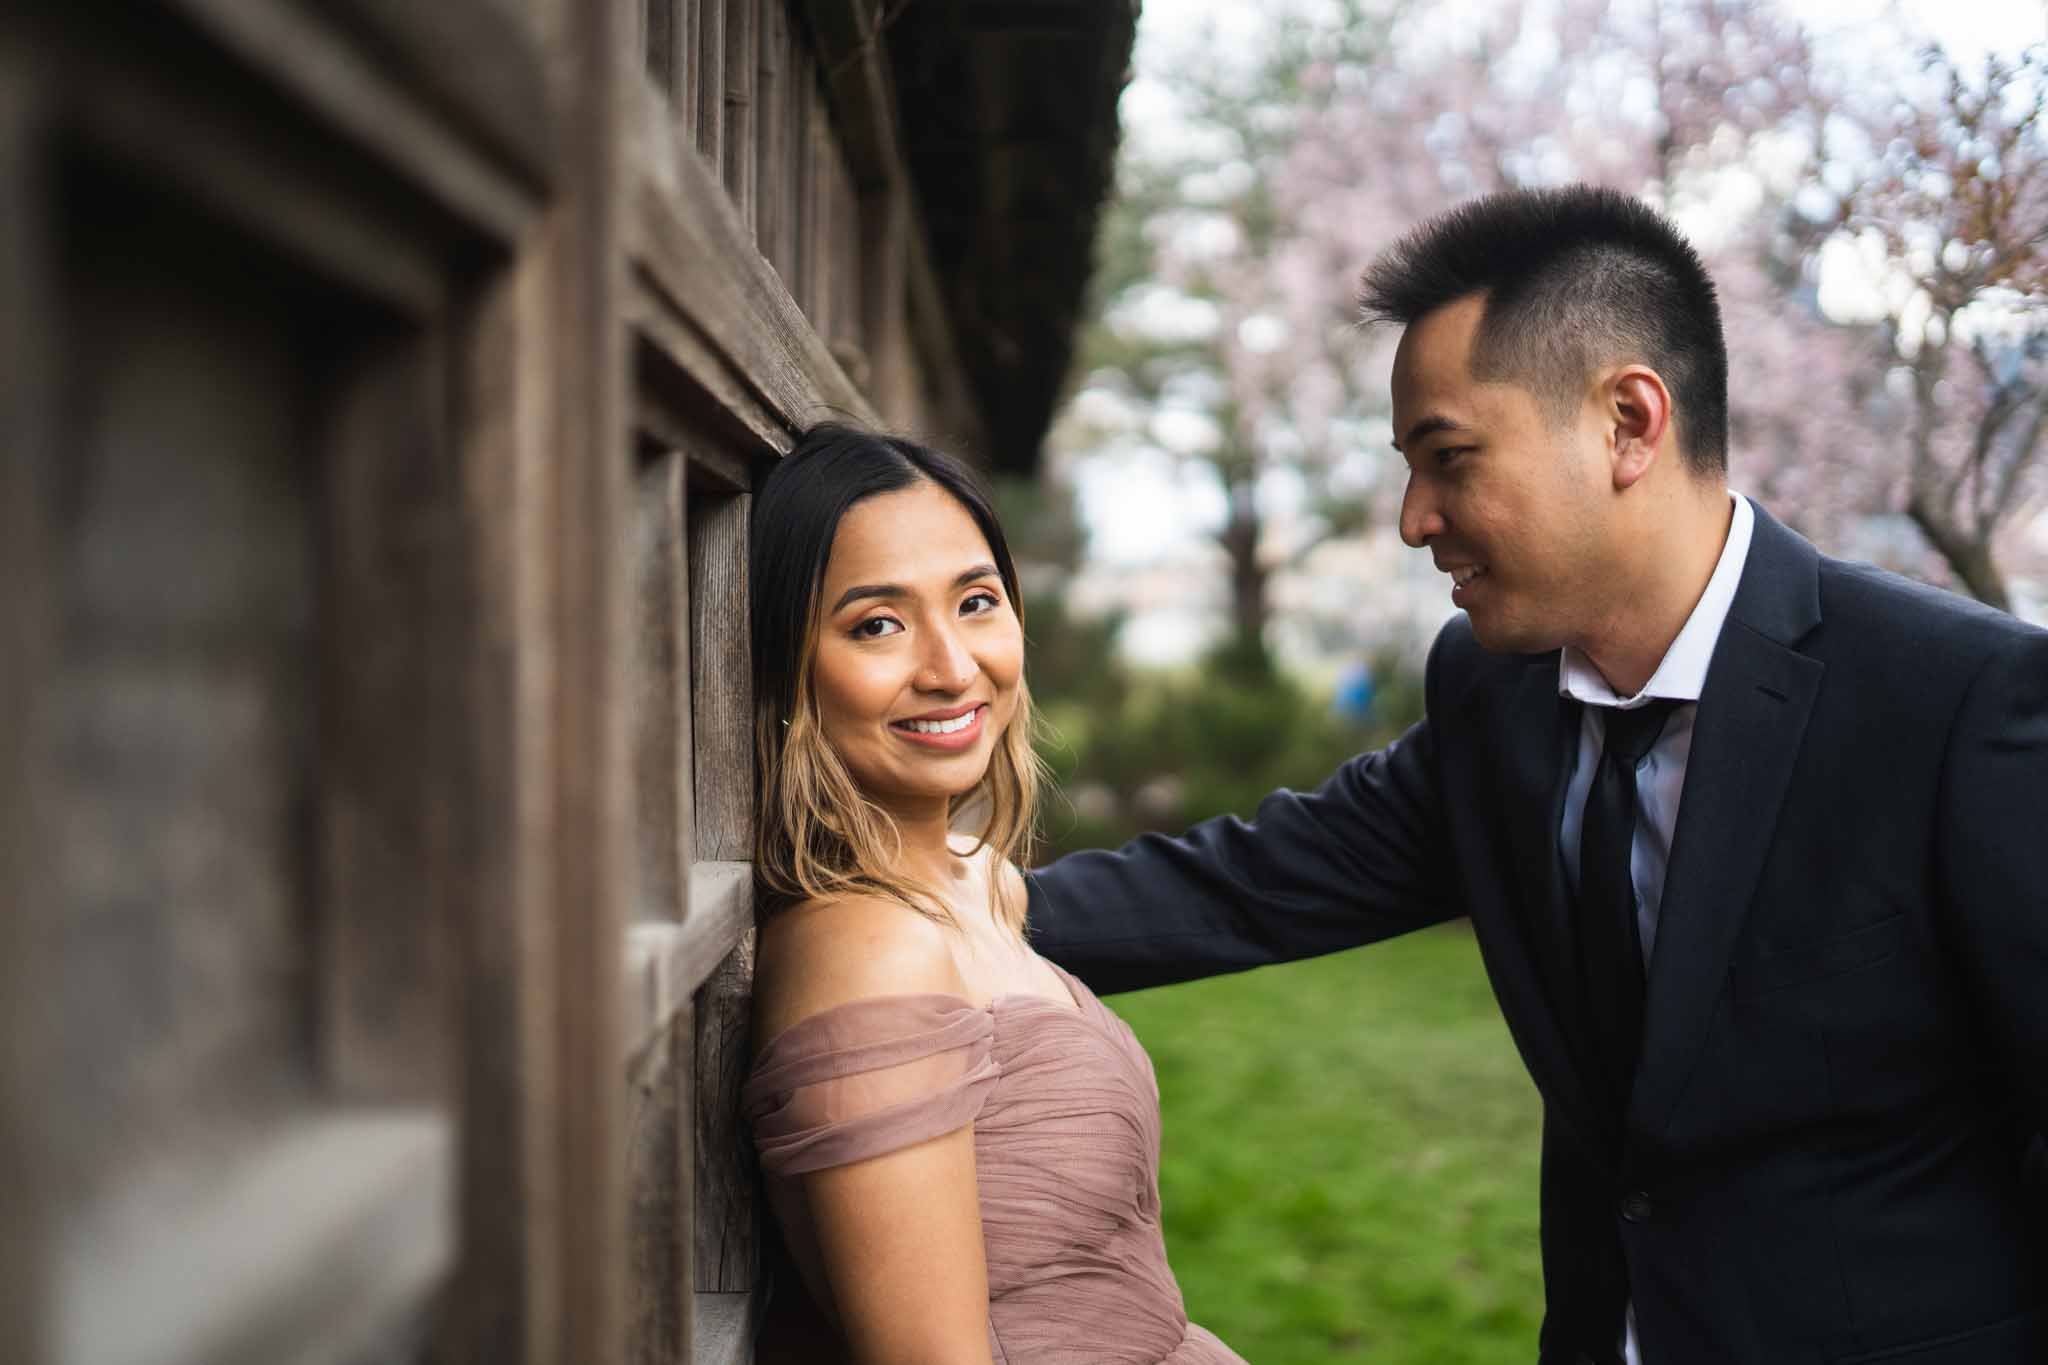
<point x="1682" y="674"/>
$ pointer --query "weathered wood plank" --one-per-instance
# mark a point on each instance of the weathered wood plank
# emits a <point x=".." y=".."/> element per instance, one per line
<point x="677" y="420"/>
<point x="666" y="963"/>
<point x="856" y="78"/>
<point x="742" y="63"/>
<point x="721" y="695"/>
<point x="388" y="720"/>
<point x="661" y="46"/>
<point x="331" y="1234"/>
<point x="274" y="177"/>
<point x="661" y="689"/>
<point x="591" y="831"/>
<point x="28" y="421"/>
<point x="727" y="1325"/>
<point x="771" y="105"/>
<point x="751" y="337"/>
<point x="486" y="164"/>
<point x="504" y="1304"/>
<point x="659" y="1135"/>
<point x="689" y="68"/>
<point x="708" y="59"/>
<point x="728" y="1243"/>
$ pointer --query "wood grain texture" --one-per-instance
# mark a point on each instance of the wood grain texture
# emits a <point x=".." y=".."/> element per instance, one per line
<point x="742" y="67"/>
<point x="721" y="697"/>
<point x="666" y="963"/>
<point x="771" y="117"/>
<point x="727" y="1327"/>
<point x="588" y="497"/>
<point x="664" y="828"/>
<point x="735" y="330"/>
<point x="659" y="1135"/>
<point x="728" y="1182"/>
<point x="503" y="1303"/>
<point x="397" y="94"/>
<point x="708" y="60"/>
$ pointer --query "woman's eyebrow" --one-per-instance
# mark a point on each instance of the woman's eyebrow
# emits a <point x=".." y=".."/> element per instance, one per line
<point x="887" y="591"/>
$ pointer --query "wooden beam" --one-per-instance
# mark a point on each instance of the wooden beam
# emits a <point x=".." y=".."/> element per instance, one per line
<point x="726" y="1327"/>
<point x="734" y="329"/>
<point x="588" y="494"/>
<point x="454" y="57"/>
<point x="29" y="913"/>
<point x="721" y="692"/>
<point x="742" y="69"/>
<point x="661" y="688"/>
<point x="661" y="1104"/>
<point x="857" y="84"/>
<point x="666" y="963"/>
<point x="727" y="1211"/>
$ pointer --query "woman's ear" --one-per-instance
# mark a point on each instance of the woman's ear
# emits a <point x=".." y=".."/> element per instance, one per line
<point x="1639" y="407"/>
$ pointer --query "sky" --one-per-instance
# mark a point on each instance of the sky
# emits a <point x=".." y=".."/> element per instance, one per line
<point x="1166" y="546"/>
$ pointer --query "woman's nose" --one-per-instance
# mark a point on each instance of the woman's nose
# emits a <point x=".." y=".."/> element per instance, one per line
<point x="947" y="664"/>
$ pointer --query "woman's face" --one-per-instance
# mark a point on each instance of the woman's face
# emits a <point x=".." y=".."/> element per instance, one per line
<point x="920" y="652"/>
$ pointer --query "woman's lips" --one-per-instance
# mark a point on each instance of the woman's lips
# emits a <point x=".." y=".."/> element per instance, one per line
<point x="946" y="740"/>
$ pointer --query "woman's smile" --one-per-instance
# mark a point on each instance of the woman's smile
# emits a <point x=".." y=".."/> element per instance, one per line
<point x="949" y="731"/>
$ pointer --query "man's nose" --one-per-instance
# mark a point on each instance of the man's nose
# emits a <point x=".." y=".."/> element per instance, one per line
<point x="947" y="665"/>
<point x="1420" y="520"/>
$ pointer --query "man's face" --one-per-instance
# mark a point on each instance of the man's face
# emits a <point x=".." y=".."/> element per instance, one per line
<point x="1515" y="507"/>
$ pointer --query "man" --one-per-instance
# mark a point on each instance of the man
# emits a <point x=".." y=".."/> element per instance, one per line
<point x="1754" y="842"/>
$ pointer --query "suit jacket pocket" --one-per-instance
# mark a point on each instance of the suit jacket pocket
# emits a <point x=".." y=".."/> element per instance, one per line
<point x="1762" y="973"/>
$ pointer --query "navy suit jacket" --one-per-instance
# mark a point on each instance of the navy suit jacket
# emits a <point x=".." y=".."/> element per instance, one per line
<point x="1834" y="1149"/>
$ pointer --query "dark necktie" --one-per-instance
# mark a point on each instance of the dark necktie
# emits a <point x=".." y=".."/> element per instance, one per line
<point x="1610" y="941"/>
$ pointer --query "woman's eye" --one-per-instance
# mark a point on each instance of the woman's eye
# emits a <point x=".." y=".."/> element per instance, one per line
<point x="979" y="602"/>
<point x="875" y="627"/>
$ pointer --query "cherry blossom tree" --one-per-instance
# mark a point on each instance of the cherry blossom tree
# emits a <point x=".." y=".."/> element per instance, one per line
<point x="1296" y="164"/>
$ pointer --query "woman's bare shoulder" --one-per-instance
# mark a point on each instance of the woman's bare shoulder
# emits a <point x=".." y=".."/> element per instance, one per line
<point x="823" y="953"/>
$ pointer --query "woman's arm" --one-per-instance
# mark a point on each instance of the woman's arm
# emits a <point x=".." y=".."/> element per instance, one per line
<point x="899" y="1234"/>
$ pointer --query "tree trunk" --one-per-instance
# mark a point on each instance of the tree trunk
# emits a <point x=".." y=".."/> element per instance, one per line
<point x="1250" y="606"/>
<point x="1968" y="556"/>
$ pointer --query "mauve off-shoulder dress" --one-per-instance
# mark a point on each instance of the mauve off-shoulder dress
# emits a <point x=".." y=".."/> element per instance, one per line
<point x="1065" y="1111"/>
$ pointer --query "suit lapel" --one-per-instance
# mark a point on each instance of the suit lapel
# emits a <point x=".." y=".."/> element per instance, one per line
<point x="1545" y="1007"/>
<point x="1752" y="716"/>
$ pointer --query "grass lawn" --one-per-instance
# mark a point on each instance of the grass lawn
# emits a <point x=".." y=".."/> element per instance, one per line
<point x="1350" y="1157"/>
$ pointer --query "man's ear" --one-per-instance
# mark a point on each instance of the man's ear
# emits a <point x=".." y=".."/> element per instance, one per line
<point x="1639" y="408"/>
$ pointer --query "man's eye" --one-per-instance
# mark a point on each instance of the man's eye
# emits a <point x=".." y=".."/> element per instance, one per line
<point x="979" y="602"/>
<point x="875" y="627"/>
<point x="1450" y="455"/>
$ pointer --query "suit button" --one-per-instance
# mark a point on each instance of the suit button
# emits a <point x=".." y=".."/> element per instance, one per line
<point x="1636" y="1206"/>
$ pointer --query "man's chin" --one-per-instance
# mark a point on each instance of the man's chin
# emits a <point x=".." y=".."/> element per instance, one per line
<point x="1500" y="633"/>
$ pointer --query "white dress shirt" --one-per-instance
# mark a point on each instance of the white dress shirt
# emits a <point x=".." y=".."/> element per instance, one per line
<point x="1660" y="777"/>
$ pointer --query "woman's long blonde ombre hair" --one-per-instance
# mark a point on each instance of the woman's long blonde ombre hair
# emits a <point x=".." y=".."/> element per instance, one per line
<point x="816" y="833"/>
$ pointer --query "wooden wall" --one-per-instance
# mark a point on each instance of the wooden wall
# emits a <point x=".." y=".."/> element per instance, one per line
<point x="382" y="388"/>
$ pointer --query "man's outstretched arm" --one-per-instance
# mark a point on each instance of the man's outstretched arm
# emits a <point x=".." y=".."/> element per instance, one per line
<point x="1359" y="859"/>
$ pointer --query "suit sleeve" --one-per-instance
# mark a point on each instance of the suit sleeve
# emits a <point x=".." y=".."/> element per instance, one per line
<point x="1994" y="862"/>
<point x="1357" y="860"/>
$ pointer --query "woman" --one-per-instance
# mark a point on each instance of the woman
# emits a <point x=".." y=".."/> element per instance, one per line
<point x="960" y="1142"/>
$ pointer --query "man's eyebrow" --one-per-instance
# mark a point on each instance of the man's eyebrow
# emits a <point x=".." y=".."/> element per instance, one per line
<point x="887" y="591"/>
<point x="1427" y="426"/>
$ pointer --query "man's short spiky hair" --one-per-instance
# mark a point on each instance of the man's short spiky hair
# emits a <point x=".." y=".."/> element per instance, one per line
<point x="1574" y="279"/>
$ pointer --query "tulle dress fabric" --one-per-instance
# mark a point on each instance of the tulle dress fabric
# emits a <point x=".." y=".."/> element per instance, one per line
<point x="1065" y="1111"/>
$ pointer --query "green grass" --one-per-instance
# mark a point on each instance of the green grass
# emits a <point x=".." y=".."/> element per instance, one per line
<point x="1350" y="1157"/>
